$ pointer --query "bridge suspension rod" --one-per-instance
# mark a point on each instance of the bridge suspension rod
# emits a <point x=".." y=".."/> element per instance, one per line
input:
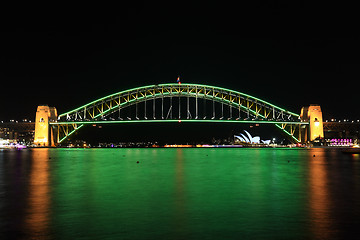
<point x="179" y="108"/>
<point x="145" y="116"/>
<point x="162" y="106"/>
<point x="154" y="108"/>
<point x="196" y="105"/>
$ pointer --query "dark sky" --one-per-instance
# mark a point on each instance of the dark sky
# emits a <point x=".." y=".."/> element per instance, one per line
<point x="288" y="54"/>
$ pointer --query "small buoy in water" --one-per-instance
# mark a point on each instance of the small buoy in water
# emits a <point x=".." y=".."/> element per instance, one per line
<point x="137" y="162"/>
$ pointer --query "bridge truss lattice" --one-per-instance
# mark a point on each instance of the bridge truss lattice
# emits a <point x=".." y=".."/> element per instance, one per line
<point x="177" y="102"/>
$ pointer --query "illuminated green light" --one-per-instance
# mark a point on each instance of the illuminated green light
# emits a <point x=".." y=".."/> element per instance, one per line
<point x="297" y="140"/>
<point x="171" y="93"/>
<point x="177" y="120"/>
<point x="70" y="133"/>
<point x="141" y="99"/>
<point x="176" y="85"/>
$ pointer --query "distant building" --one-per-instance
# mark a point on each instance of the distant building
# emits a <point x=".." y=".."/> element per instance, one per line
<point x="18" y="131"/>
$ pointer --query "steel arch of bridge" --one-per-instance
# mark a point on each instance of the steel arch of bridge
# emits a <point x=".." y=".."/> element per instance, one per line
<point x="255" y="109"/>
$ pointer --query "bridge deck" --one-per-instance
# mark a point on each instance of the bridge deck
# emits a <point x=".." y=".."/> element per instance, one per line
<point x="178" y="120"/>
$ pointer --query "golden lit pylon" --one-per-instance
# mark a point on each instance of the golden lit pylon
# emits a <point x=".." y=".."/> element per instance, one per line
<point x="44" y="135"/>
<point x="313" y="115"/>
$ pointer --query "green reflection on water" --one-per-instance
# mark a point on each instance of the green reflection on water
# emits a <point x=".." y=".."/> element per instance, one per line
<point x="179" y="193"/>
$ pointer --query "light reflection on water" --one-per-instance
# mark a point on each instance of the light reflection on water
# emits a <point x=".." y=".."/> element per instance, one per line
<point x="38" y="209"/>
<point x="319" y="197"/>
<point x="179" y="194"/>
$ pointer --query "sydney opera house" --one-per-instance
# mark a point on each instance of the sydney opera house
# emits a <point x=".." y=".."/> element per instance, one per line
<point x="248" y="139"/>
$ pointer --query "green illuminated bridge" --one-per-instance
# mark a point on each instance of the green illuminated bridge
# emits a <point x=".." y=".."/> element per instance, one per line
<point x="174" y="103"/>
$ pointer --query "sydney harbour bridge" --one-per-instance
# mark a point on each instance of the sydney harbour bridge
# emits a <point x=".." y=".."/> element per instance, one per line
<point x="175" y="102"/>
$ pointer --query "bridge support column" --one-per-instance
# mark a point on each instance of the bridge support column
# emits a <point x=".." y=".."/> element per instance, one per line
<point x="313" y="115"/>
<point x="44" y="135"/>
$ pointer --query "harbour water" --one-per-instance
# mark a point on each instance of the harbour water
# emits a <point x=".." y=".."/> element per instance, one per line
<point x="179" y="194"/>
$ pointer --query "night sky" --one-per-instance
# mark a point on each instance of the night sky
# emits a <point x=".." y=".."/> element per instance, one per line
<point x="290" y="55"/>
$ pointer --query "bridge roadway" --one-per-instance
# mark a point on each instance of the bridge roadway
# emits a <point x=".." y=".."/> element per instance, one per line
<point x="328" y="126"/>
<point x="79" y="124"/>
<point x="179" y="121"/>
